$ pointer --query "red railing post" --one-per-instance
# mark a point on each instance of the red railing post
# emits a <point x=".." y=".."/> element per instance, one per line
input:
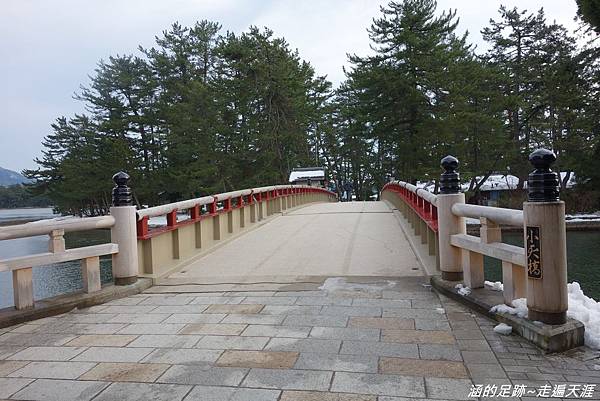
<point x="212" y="208"/>
<point x="142" y="227"/>
<point x="195" y="212"/>
<point x="172" y="218"/>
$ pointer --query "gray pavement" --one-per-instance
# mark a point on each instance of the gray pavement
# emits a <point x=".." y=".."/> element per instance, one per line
<point x="379" y="340"/>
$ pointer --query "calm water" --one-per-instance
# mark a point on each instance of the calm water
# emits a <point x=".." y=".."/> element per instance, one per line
<point x="48" y="280"/>
<point x="583" y="253"/>
<point x="583" y="249"/>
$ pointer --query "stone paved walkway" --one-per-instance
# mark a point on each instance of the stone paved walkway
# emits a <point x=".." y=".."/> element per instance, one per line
<point x="382" y="341"/>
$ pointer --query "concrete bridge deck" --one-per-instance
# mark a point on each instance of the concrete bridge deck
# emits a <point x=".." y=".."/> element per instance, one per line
<point x="319" y="240"/>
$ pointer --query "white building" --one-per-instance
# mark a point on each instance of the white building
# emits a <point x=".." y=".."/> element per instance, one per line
<point x="314" y="176"/>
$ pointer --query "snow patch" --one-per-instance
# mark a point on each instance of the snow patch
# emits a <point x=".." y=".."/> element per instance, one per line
<point x="519" y="308"/>
<point x="462" y="289"/>
<point x="587" y="311"/>
<point x="503" y="329"/>
<point x="340" y="284"/>
<point x="494" y="285"/>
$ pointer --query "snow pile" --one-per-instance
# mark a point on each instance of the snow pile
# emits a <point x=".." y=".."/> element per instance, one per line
<point x="462" y="289"/>
<point x="582" y="217"/>
<point x="587" y="311"/>
<point x="519" y="308"/>
<point x="503" y="329"/>
<point x="340" y="284"/>
<point x="494" y="285"/>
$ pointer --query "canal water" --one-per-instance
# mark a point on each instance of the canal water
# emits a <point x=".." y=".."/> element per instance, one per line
<point x="583" y="249"/>
<point x="48" y="280"/>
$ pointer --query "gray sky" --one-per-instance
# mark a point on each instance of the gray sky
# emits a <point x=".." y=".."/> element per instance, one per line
<point x="49" y="47"/>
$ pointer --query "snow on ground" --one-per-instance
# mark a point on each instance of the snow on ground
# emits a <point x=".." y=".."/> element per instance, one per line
<point x="494" y="285"/>
<point x="519" y="308"/>
<point x="503" y="329"/>
<point x="462" y="290"/>
<point x="587" y="311"/>
<point x="581" y="307"/>
<point x="333" y="284"/>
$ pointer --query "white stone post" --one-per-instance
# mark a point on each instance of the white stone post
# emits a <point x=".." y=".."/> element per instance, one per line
<point x="545" y="242"/>
<point x="448" y="223"/>
<point x="123" y="233"/>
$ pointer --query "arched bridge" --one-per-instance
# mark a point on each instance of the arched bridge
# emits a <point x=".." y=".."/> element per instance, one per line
<point x="284" y="293"/>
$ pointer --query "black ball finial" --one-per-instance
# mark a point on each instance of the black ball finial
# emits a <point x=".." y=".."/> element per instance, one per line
<point x="121" y="194"/>
<point x="543" y="184"/>
<point x="449" y="180"/>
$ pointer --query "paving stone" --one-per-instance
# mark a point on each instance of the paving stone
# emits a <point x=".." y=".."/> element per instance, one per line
<point x="150" y="328"/>
<point x="188" y="309"/>
<point x="395" y="294"/>
<point x="210" y="393"/>
<point x="126" y="301"/>
<point x="36" y="339"/>
<point x="126" y="372"/>
<point x="234" y="309"/>
<point x="447" y="389"/>
<point x="113" y="354"/>
<point x="195" y="318"/>
<point x="213" y="300"/>
<point x="383" y="303"/>
<point x="165" y="341"/>
<point x="87" y="328"/>
<point x="343" y="333"/>
<point x="479" y="357"/>
<point x="137" y="318"/>
<point x="84" y="318"/>
<point x="258" y="359"/>
<point x="291" y="395"/>
<point x="392" y="323"/>
<point x="5" y="351"/>
<point x="232" y="342"/>
<point x="324" y="301"/>
<point x="143" y="392"/>
<point x="337" y="362"/>
<point x="300" y="294"/>
<point x="304" y="345"/>
<point x="379" y="349"/>
<point x="407" y="313"/>
<point x="328" y="321"/>
<point x="7" y="367"/>
<point x="473" y="345"/>
<point x="183" y="356"/>
<point x="288" y="379"/>
<point x="99" y="340"/>
<point x="425" y="368"/>
<point x="12" y="385"/>
<point x="270" y="300"/>
<point x="351" y="311"/>
<point x="261" y="330"/>
<point x="47" y="353"/>
<point x="206" y="375"/>
<point x="437" y="351"/>
<point x="255" y="319"/>
<point x="167" y="300"/>
<point x="486" y="370"/>
<point x="221" y="329"/>
<point x="53" y="370"/>
<point x="254" y="294"/>
<point x="425" y="303"/>
<point x="291" y="310"/>
<point x="468" y="335"/>
<point x="127" y="309"/>
<point x="378" y="384"/>
<point x="60" y="390"/>
<point x="426" y="324"/>
<point x="417" y="336"/>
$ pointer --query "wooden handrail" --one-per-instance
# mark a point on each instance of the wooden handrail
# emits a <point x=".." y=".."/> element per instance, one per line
<point x="498" y="215"/>
<point x="45" y="227"/>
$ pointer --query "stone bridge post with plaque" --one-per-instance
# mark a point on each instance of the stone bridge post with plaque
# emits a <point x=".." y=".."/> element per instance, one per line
<point x="545" y="242"/>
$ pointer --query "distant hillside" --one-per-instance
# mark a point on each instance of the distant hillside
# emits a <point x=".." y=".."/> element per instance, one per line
<point x="9" y="177"/>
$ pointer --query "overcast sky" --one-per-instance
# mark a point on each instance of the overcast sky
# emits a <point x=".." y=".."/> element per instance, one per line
<point x="49" y="47"/>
